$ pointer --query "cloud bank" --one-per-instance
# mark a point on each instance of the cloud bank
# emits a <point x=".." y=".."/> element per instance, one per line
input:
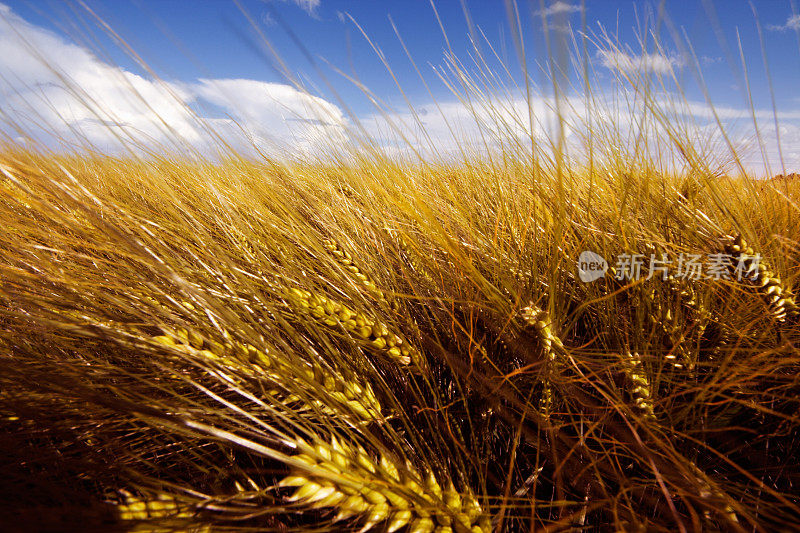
<point x="52" y="88"/>
<point x="622" y="128"/>
<point x="57" y="92"/>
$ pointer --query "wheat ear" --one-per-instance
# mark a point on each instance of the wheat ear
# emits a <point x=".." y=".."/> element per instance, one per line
<point x="359" y="398"/>
<point x="357" y="484"/>
<point x="377" y="336"/>
<point x="344" y="258"/>
<point x="780" y="300"/>
<point x="640" y="389"/>
<point x="538" y="321"/>
<point x="161" y="506"/>
<point x="411" y="255"/>
<point x="670" y="324"/>
<point x="708" y="492"/>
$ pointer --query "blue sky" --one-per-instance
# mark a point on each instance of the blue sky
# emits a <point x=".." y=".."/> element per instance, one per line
<point x="191" y="44"/>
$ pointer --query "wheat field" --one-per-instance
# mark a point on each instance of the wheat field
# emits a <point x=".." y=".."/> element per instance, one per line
<point x="373" y="343"/>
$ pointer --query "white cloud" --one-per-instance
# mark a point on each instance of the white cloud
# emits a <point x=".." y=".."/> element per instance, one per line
<point x="559" y="7"/>
<point x="57" y="90"/>
<point x="309" y="6"/>
<point x="792" y="23"/>
<point x="47" y="80"/>
<point x="654" y="63"/>
<point x="710" y="60"/>
<point x="267" y="20"/>
<point x="276" y="112"/>
<point x="561" y="28"/>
